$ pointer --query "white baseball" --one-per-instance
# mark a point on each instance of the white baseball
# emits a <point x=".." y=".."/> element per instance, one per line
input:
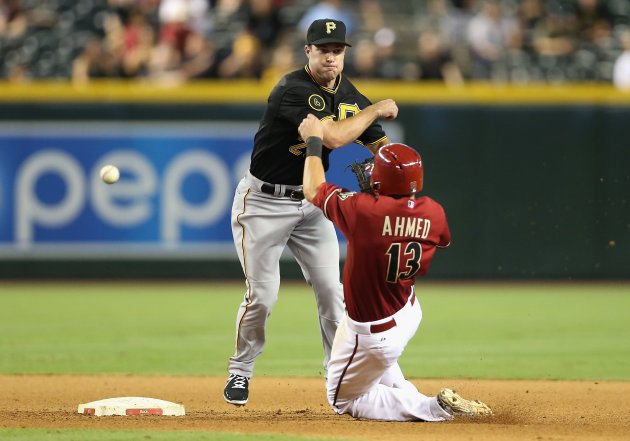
<point x="110" y="174"/>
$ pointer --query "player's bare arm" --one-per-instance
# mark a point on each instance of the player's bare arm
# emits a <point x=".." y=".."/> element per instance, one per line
<point x="314" y="175"/>
<point x="312" y="130"/>
<point x="340" y="133"/>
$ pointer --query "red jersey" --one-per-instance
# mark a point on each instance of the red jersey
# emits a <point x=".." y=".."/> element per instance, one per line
<point x="390" y="241"/>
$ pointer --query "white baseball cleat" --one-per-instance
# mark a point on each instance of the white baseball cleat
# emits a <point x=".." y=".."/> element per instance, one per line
<point x="456" y="405"/>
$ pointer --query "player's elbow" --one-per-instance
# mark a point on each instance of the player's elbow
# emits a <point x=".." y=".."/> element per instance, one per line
<point x="309" y="192"/>
<point x="334" y="135"/>
<point x="334" y="142"/>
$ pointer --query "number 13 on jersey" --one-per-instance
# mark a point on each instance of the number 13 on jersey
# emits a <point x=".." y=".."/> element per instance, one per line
<point x="410" y="265"/>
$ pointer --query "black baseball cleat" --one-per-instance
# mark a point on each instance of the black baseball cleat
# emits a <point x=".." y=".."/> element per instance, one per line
<point x="236" y="390"/>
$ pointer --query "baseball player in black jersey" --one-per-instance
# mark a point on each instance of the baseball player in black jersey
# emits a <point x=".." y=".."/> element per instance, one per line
<point x="269" y="211"/>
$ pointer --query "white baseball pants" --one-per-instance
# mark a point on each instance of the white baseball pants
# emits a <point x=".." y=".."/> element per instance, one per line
<point x="364" y="378"/>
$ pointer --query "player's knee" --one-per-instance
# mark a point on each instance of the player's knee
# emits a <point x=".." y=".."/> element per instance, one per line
<point x="262" y="306"/>
<point x="263" y="295"/>
<point x="333" y="399"/>
<point x="331" y="306"/>
<point x="328" y="289"/>
<point x="339" y="405"/>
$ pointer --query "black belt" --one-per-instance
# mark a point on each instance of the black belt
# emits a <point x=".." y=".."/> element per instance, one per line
<point x="382" y="327"/>
<point x="296" y="195"/>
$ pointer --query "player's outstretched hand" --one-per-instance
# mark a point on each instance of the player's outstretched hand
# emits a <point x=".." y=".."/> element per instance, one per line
<point x="386" y="109"/>
<point x="311" y="126"/>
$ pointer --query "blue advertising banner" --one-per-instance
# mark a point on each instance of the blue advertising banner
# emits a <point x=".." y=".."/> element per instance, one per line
<point x="173" y="199"/>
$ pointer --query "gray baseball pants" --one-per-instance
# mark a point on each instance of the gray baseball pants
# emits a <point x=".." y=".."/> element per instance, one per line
<point x="262" y="226"/>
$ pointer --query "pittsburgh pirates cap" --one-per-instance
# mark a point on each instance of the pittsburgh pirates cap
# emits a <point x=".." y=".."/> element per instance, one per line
<point x="326" y="30"/>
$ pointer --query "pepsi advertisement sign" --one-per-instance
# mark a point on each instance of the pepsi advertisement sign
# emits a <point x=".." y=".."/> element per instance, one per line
<point x="173" y="198"/>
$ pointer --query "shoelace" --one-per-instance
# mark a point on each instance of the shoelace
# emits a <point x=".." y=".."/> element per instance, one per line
<point x="239" y="382"/>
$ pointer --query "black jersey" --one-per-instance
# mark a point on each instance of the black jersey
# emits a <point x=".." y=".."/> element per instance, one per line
<point x="279" y="153"/>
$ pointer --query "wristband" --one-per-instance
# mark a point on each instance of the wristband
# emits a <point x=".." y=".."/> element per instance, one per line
<point x="314" y="146"/>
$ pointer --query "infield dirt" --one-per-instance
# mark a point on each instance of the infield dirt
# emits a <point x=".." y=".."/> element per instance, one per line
<point x="524" y="410"/>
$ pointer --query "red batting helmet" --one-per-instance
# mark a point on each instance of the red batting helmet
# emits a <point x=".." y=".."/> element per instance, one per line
<point x="397" y="170"/>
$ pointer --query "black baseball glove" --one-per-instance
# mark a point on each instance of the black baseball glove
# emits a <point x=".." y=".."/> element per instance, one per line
<point x="362" y="172"/>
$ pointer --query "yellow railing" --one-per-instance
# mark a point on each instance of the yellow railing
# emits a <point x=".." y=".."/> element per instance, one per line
<point x="249" y="91"/>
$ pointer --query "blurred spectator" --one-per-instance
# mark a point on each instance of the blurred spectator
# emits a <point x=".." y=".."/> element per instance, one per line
<point x="18" y="73"/>
<point x="86" y="65"/>
<point x="227" y="7"/>
<point x="389" y="61"/>
<point x="450" y="19"/>
<point x="43" y="15"/>
<point x="179" y="21"/>
<point x="138" y="39"/>
<point x="123" y="8"/>
<point x="226" y="11"/>
<point x="179" y="18"/>
<point x="264" y="21"/>
<point x="13" y="21"/>
<point x="531" y="14"/>
<point x="375" y="57"/>
<point x="283" y="60"/>
<point x="197" y="61"/>
<point x="594" y="21"/>
<point x="363" y="62"/>
<point x="464" y="4"/>
<point x="553" y="34"/>
<point x="621" y="72"/>
<point x="244" y="60"/>
<point x="434" y="62"/>
<point x="442" y="17"/>
<point x="491" y="33"/>
<point x="371" y="15"/>
<point x="327" y="9"/>
<point x="457" y="19"/>
<point x="172" y="41"/>
<point x="95" y="62"/>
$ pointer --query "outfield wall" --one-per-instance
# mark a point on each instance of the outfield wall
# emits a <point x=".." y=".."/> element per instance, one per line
<point x="535" y="181"/>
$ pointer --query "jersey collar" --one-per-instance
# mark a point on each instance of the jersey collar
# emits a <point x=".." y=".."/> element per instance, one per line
<point x="327" y="89"/>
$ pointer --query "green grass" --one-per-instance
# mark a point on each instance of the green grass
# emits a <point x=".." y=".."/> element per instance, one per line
<point x="530" y="331"/>
<point x="520" y="331"/>
<point x="134" y="435"/>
